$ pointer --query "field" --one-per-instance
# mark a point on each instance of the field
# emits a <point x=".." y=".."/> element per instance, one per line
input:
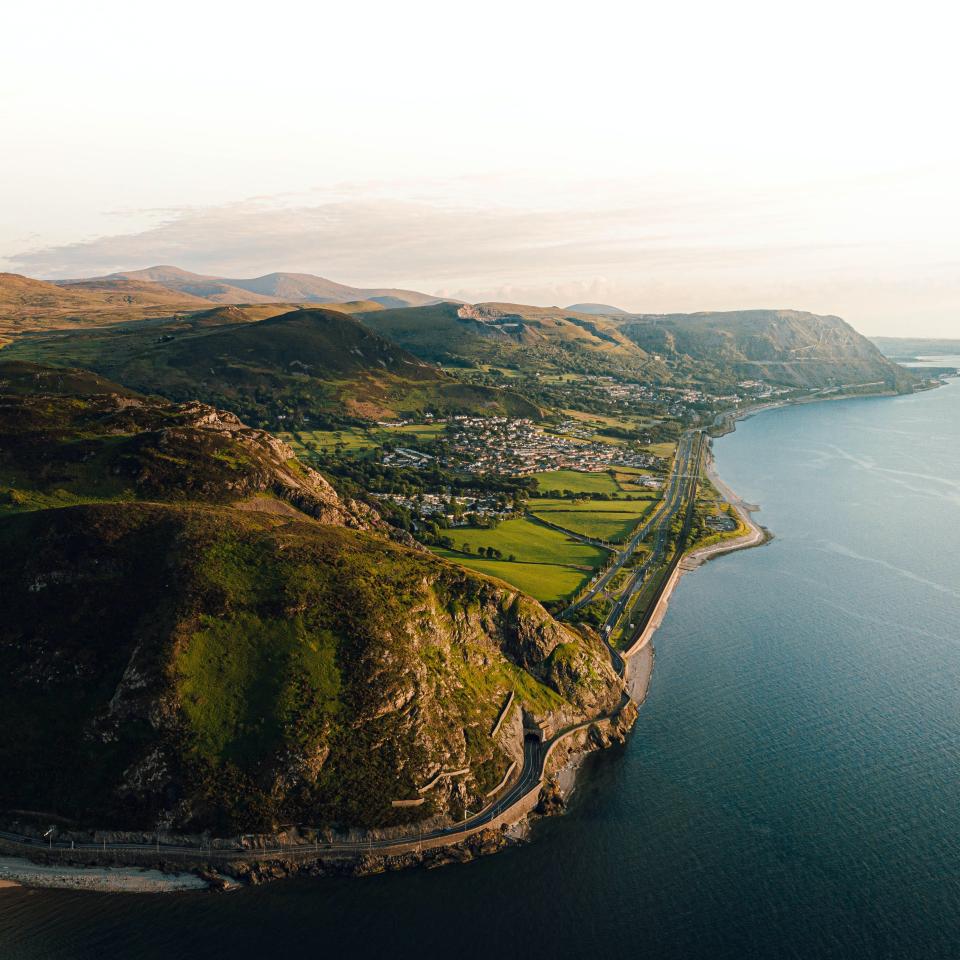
<point x="303" y="441"/>
<point x="576" y="482"/>
<point x="610" y="520"/>
<point x="546" y="564"/>
<point x="600" y="420"/>
<point x="543" y="581"/>
<point x="665" y="450"/>
<point x="529" y="542"/>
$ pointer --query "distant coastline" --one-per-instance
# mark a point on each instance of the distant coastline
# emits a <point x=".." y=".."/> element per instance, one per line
<point x="756" y="535"/>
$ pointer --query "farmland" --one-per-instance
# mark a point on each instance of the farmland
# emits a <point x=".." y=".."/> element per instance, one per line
<point x="576" y="481"/>
<point x="610" y="520"/>
<point x="545" y="563"/>
<point x="528" y="542"/>
<point x="545" y="582"/>
<point x="353" y="439"/>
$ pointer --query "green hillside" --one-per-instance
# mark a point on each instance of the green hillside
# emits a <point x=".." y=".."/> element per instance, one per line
<point x="198" y="631"/>
<point x="512" y="335"/>
<point x="315" y="365"/>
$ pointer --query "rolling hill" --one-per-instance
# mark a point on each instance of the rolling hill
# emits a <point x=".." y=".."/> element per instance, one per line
<point x="310" y="364"/>
<point x="600" y="309"/>
<point x="27" y="304"/>
<point x="511" y="335"/>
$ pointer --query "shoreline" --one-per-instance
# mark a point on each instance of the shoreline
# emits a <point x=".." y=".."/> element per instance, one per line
<point x="639" y="662"/>
<point x="756" y="535"/>
<point x="19" y="873"/>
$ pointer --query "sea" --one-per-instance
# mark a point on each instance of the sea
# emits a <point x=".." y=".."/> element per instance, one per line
<point x="791" y="788"/>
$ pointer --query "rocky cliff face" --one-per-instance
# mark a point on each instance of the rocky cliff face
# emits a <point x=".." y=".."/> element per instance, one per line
<point x="790" y="347"/>
<point x="205" y="667"/>
<point x="199" y="633"/>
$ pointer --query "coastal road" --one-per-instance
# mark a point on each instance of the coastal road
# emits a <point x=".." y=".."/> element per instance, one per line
<point x="689" y="508"/>
<point x="534" y="759"/>
<point x="675" y="486"/>
<point x="682" y="493"/>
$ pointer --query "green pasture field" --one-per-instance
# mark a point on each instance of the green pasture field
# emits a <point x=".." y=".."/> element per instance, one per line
<point x="576" y="481"/>
<point x="358" y="438"/>
<point x="665" y="450"/>
<point x="543" y="581"/>
<point x="610" y="520"/>
<point x="530" y="542"/>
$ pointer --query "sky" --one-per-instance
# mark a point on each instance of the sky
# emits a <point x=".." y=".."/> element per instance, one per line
<point x="658" y="157"/>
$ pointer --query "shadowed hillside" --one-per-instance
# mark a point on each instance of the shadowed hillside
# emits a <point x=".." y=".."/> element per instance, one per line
<point x="322" y="365"/>
<point x="193" y="638"/>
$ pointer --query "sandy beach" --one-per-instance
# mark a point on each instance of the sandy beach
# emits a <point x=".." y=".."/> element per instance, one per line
<point x="639" y="672"/>
<point x="17" y="872"/>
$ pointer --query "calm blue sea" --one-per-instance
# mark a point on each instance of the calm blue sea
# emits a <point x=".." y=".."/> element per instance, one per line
<point x="792" y="788"/>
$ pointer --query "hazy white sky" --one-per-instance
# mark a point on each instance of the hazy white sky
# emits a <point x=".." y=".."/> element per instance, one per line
<point x="658" y="156"/>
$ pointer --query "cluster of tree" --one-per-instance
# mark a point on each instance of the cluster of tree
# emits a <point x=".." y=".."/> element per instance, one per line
<point x="596" y="612"/>
<point x="623" y="433"/>
<point x="580" y="495"/>
<point x="491" y="553"/>
<point x="369" y="473"/>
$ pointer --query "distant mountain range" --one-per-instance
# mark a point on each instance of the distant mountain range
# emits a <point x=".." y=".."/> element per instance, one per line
<point x="270" y="288"/>
<point x="267" y="370"/>
<point x="600" y="309"/>
<point x="27" y="304"/>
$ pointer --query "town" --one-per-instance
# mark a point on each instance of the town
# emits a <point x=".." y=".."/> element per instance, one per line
<point x="516" y="447"/>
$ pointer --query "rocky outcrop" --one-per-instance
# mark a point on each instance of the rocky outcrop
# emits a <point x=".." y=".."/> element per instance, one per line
<point x="160" y="451"/>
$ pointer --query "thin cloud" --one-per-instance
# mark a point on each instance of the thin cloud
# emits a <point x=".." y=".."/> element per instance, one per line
<point x="661" y="254"/>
